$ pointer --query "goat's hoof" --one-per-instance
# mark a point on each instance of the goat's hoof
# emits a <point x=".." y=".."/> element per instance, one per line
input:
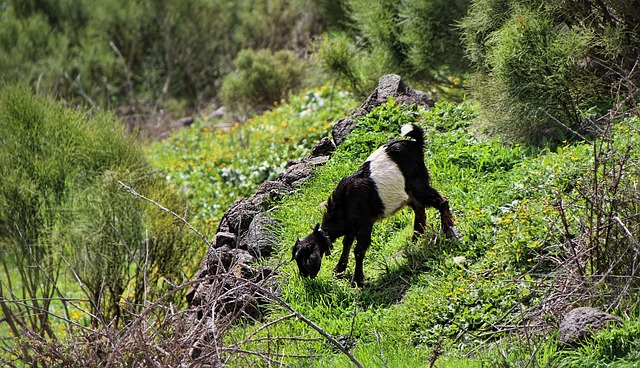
<point x="453" y="233"/>
<point x="357" y="283"/>
<point x="339" y="270"/>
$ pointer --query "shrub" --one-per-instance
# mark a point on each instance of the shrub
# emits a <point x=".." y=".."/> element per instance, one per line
<point x="415" y="39"/>
<point x="261" y="77"/>
<point x="66" y="225"/>
<point x="539" y="66"/>
<point x="136" y="55"/>
<point x="534" y="78"/>
<point x="340" y="59"/>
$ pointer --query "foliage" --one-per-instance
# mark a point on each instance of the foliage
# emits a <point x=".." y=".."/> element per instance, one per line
<point x="138" y="55"/>
<point x="536" y="90"/>
<point x="615" y="346"/>
<point x="218" y="166"/>
<point x="465" y="302"/>
<point x="261" y="78"/>
<point x="437" y="298"/>
<point x="540" y="66"/>
<point x="67" y="226"/>
<point x="341" y="60"/>
<point x="443" y="299"/>
<point x="418" y="37"/>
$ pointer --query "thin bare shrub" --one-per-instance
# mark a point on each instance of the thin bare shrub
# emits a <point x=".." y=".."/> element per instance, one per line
<point x="160" y="333"/>
<point x="598" y="261"/>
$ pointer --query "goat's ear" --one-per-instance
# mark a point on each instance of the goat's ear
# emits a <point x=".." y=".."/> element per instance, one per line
<point x="316" y="228"/>
<point x="295" y="249"/>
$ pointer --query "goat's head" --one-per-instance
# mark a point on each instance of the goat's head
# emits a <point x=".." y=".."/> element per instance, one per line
<point x="309" y="250"/>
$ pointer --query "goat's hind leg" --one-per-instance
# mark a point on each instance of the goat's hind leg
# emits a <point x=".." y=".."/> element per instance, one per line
<point x="446" y="219"/>
<point x="430" y="197"/>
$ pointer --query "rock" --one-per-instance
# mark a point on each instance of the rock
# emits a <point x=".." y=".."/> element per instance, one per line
<point x="219" y="113"/>
<point x="389" y="85"/>
<point x="219" y="261"/>
<point x="238" y="217"/>
<point x="341" y="129"/>
<point x="581" y="323"/>
<point x="260" y="239"/>
<point x="325" y="147"/>
<point x="182" y="122"/>
<point x="240" y="259"/>
<point x="316" y="161"/>
<point x="224" y="238"/>
<point x="296" y="174"/>
<point x="270" y="190"/>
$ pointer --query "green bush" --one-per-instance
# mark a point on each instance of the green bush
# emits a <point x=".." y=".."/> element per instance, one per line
<point x="136" y="55"/>
<point x="261" y="77"/>
<point x="534" y="79"/>
<point x="67" y="227"/>
<point x="341" y="60"/>
<point x="416" y="39"/>
<point x="539" y="67"/>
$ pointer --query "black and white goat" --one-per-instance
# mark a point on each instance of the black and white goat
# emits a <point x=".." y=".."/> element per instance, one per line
<point x="392" y="177"/>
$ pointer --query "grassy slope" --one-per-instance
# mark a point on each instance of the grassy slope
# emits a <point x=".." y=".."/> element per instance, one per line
<point x="418" y="298"/>
<point x="217" y="166"/>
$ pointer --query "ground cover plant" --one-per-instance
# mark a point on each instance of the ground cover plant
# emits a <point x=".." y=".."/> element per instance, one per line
<point x="441" y="301"/>
<point x="447" y="303"/>
<point x="219" y="165"/>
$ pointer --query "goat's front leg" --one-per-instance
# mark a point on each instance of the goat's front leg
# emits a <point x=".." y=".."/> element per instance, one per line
<point x="364" y="241"/>
<point x="347" y="241"/>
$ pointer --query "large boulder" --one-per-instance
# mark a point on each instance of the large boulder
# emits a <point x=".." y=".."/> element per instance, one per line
<point x="260" y="239"/>
<point x="238" y="217"/>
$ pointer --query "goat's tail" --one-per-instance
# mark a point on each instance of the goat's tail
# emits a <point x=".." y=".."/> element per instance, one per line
<point x="413" y="131"/>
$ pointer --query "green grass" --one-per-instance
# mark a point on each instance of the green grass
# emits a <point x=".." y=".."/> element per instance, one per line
<point x="418" y="300"/>
<point x="217" y="166"/>
<point x="420" y="303"/>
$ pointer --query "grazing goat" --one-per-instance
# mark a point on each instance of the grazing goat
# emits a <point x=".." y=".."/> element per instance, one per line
<point x="392" y="177"/>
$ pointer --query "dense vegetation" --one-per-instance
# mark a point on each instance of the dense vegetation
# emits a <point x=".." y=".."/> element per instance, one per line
<point x="66" y="219"/>
<point x="534" y="140"/>
<point x="452" y="297"/>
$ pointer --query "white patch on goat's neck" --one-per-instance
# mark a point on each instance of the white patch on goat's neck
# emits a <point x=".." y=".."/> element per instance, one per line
<point x="406" y="129"/>
<point x="389" y="181"/>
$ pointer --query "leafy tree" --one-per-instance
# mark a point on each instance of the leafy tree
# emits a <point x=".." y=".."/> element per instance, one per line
<point x="261" y="77"/>
<point x="416" y="39"/>
<point x="136" y="55"/>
